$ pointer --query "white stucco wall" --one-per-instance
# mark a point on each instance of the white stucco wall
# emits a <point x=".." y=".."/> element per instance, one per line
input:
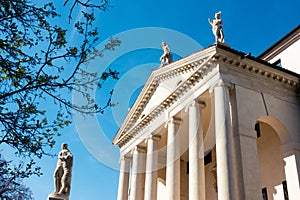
<point x="290" y="57"/>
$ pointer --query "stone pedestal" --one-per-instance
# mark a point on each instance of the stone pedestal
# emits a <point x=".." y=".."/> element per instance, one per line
<point x="56" y="196"/>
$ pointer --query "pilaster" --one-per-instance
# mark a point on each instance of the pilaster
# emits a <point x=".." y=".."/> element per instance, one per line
<point x="250" y="165"/>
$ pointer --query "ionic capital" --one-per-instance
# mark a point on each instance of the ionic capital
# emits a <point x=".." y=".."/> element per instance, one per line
<point x="173" y="120"/>
<point x="126" y="158"/>
<point x="154" y="137"/>
<point x="221" y="83"/>
<point x="195" y="102"/>
<point x="139" y="149"/>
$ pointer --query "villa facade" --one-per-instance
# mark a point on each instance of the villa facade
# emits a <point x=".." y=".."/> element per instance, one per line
<point x="217" y="124"/>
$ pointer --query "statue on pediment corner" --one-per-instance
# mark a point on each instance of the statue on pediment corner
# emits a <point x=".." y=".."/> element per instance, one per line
<point x="217" y="28"/>
<point x="167" y="57"/>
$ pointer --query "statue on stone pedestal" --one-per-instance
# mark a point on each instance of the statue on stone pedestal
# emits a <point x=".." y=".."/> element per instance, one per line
<point x="217" y="28"/>
<point x="166" y="58"/>
<point x="63" y="171"/>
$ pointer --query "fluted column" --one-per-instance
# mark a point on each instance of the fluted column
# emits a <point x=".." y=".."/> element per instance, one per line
<point x="151" y="168"/>
<point x="196" y="153"/>
<point x="138" y="174"/>
<point x="124" y="178"/>
<point x="224" y="143"/>
<point x="173" y="163"/>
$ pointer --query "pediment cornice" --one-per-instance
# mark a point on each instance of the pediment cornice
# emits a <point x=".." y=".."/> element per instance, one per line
<point x="182" y="66"/>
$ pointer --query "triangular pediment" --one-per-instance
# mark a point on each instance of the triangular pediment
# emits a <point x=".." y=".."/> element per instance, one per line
<point x="160" y="88"/>
<point x="164" y="89"/>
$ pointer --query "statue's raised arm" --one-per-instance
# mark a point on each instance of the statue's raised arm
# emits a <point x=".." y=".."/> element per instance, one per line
<point x="217" y="28"/>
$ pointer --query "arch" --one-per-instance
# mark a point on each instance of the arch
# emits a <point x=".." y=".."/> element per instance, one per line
<point x="271" y="164"/>
<point x="278" y="127"/>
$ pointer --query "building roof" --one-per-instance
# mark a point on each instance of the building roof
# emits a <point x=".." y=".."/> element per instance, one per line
<point x="281" y="44"/>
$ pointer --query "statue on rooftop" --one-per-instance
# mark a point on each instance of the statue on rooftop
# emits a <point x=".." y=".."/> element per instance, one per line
<point x="166" y="58"/>
<point x="217" y="28"/>
<point x="63" y="171"/>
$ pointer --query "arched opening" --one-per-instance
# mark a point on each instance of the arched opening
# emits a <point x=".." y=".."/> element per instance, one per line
<point x="270" y="136"/>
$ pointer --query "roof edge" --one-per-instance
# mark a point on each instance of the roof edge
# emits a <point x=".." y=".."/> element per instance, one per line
<point x="288" y="36"/>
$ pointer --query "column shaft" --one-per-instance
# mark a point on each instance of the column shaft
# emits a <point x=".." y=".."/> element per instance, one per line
<point x="151" y="169"/>
<point x="173" y="164"/>
<point x="224" y="144"/>
<point x="196" y="155"/>
<point x="137" y="174"/>
<point x="124" y="178"/>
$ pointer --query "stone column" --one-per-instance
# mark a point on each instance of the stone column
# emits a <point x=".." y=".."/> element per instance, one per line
<point x="151" y="168"/>
<point x="173" y="163"/>
<point x="124" y="178"/>
<point x="138" y="173"/>
<point x="224" y="143"/>
<point x="196" y="153"/>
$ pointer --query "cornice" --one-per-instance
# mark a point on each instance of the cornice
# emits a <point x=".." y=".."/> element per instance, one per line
<point x="256" y="68"/>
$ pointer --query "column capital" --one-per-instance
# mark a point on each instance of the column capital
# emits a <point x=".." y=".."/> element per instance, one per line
<point x="139" y="149"/>
<point x="173" y="120"/>
<point x="155" y="137"/>
<point x="125" y="158"/>
<point x="221" y="83"/>
<point x="195" y="102"/>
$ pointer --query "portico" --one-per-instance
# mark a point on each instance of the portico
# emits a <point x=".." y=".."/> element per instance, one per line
<point x="190" y="128"/>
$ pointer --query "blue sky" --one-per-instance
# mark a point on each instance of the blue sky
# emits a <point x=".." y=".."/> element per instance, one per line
<point x="249" y="26"/>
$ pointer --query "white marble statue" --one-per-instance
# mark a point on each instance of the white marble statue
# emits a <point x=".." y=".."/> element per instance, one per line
<point x="166" y="58"/>
<point x="63" y="171"/>
<point x="217" y="28"/>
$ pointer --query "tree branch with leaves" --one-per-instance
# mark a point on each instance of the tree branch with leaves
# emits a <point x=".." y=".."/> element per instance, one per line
<point x="38" y="64"/>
